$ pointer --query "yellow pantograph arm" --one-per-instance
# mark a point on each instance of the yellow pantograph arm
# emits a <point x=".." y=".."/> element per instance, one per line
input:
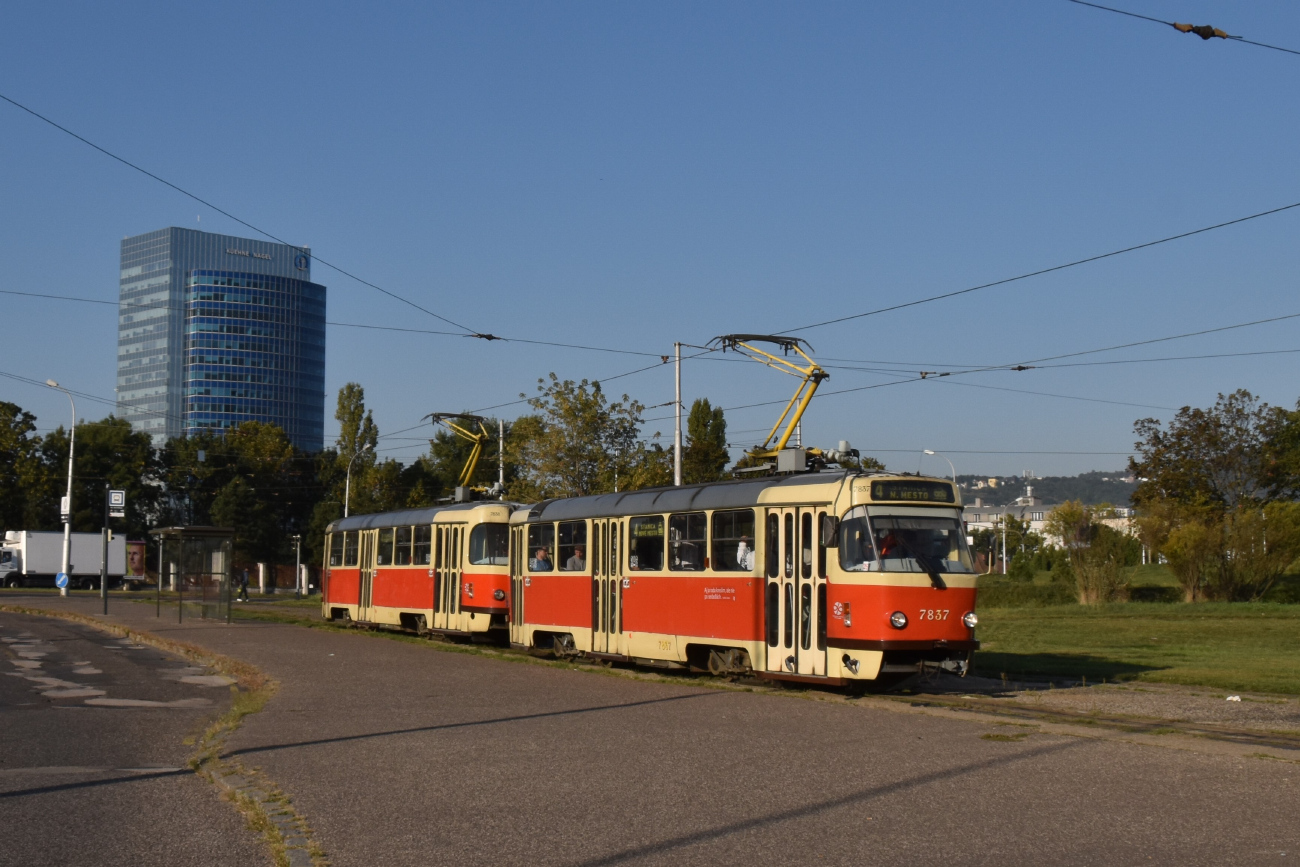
<point x="811" y="376"/>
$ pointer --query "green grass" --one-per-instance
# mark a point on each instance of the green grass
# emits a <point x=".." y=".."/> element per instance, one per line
<point x="1234" y="647"/>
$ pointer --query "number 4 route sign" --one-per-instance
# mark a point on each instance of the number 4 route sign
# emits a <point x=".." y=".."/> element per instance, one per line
<point x="117" y="504"/>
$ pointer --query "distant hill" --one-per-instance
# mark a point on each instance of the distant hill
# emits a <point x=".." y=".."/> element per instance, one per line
<point x="1092" y="488"/>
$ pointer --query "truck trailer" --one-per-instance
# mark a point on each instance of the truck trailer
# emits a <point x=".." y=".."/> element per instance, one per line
<point x="32" y="559"/>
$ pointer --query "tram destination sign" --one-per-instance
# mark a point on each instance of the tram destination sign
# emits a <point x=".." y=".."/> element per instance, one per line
<point x="917" y="491"/>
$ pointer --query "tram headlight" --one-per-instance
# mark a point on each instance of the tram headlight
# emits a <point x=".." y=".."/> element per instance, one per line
<point x="898" y="620"/>
<point x="500" y="596"/>
<point x="970" y="619"/>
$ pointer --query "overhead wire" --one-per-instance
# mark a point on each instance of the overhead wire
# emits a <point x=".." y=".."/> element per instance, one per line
<point x="1042" y="271"/>
<point x="1204" y="31"/>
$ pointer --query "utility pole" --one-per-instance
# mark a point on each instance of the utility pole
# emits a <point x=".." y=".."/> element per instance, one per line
<point x="501" y="457"/>
<point x="677" y="428"/>
<point x="1004" y="543"/>
<point x="67" y="501"/>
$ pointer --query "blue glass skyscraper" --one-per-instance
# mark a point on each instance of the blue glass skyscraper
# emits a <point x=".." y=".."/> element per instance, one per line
<point x="215" y="330"/>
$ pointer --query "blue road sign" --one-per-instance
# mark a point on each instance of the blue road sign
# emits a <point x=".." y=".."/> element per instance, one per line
<point x="61" y="581"/>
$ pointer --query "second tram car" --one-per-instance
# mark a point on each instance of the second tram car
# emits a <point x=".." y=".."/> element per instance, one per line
<point x="442" y="569"/>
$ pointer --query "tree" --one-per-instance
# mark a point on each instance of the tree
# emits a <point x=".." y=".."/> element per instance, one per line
<point x="20" y="466"/>
<point x="705" y="456"/>
<point x="1220" y="458"/>
<point x="577" y="443"/>
<point x="108" y="453"/>
<point x="1096" y="551"/>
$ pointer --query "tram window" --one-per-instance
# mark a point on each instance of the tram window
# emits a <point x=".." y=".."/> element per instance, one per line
<point x="821" y="547"/>
<point x="384" y="551"/>
<point x="686" y="541"/>
<point x="402" y="554"/>
<point x="350" y="548"/>
<point x="489" y="545"/>
<point x="773" y="613"/>
<point x="805" y="616"/>
<point x="615" y="531"/>
<point x="596" y="536"/>
<point x="645" y="540"/>
<point x="440" y="547"/>
<point x="773" y="545"/>
<point x="422" y="551"/>
<point x="821" y="616"/>
<point x="541" y="544"/>
<point x="806" y="543"/>
<point x="336" y="549"/>
<point x="789" y="545"/>
<point x="789" y="614"/>
<point x="573" y="546"/>
<point x="857" y="554"/>
<point x="733" y="541"/>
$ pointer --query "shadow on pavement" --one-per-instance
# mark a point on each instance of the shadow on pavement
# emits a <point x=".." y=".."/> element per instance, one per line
<point x="813" y="809"/>
<point x="466" y="724"/>
<point x="89" y="784"/>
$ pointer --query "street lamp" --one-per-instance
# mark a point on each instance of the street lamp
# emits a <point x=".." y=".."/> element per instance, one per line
<point x="347" y="486"/>
<point x="945" y="457"/>
<point x="297" y="566"/>
<point x="67" y="501"/>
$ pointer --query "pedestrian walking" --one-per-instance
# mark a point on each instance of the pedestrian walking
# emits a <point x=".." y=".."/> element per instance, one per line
<point x="243" y="586"/>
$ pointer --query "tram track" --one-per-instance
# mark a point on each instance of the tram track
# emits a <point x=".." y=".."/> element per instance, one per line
<point x="1120" y="722"/>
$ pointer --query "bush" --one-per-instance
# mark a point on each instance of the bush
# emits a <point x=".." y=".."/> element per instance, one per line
<point x="1002" y="593"/>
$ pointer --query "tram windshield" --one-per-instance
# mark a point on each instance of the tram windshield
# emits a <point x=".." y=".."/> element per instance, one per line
<point x="489" y="545"/>
<point x="902" y="543"/>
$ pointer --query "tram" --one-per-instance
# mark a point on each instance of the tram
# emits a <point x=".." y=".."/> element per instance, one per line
<point x="830" y="577"/>
<point x="442" y="569"/>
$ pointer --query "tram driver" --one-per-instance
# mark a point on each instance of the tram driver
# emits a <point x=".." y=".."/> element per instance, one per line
<point x="541" y="562"/>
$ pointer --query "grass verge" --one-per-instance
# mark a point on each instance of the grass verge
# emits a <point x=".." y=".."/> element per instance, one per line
<point x="1230" y="646"/>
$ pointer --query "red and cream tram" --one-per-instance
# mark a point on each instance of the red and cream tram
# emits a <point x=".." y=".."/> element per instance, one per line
<point x="828" y="577"/>
<point x="442" y="569"/>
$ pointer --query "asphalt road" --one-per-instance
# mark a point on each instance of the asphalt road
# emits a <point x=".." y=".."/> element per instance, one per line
<point x="399" y="754"/>
<point x="92" y="764"/>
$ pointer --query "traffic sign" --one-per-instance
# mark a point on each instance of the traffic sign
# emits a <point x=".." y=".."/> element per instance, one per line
<point x="117" y="504"/>
<point x="61" y="581"/>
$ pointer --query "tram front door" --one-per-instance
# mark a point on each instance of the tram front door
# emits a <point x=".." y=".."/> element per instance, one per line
<point x="606" y="588"/>
<point x="795" y="593"/>
<point x="367" y="563"/>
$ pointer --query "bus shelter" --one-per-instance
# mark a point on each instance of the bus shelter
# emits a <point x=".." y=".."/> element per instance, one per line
<point x="196" y="562"/>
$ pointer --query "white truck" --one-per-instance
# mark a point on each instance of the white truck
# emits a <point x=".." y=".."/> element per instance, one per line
<point x="33" y="559"/>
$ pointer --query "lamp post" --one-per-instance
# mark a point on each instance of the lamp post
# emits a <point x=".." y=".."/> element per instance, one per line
<point x="945" y="457"/>
<point x="347" y="486"/>
<point x="297" y="566"/>
<point x="67" y="501"/>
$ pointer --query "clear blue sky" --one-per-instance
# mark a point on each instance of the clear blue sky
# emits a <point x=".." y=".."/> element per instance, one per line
<point x="629" y="175"/>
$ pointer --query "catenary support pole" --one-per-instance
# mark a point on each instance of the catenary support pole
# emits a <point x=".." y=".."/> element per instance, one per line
<point x="501" y="457"/>
<point x="677" y="416"/>
<point x="1004" y="543"/>
<point x="103" y="554"/>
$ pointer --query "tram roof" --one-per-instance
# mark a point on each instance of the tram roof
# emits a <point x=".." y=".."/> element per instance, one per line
<point x="406" y="516"/>
<point x="711" y="495"/>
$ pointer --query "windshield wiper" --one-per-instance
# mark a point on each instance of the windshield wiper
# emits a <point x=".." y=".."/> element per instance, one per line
<point x="936" y="580"/>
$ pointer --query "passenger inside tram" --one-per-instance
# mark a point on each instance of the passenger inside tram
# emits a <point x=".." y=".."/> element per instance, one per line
<point x="578" y="561"/>
<point x="541" y="561"/>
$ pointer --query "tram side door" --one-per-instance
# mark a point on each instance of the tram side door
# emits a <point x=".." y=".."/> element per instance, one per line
<point x="367" y="563"/>
<point x="606" y="588"/>
<point x="790" y="600"/>
<point x="448" y="539"/>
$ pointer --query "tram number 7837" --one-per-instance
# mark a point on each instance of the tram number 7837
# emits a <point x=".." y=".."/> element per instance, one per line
<point x="934" y="614"/>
